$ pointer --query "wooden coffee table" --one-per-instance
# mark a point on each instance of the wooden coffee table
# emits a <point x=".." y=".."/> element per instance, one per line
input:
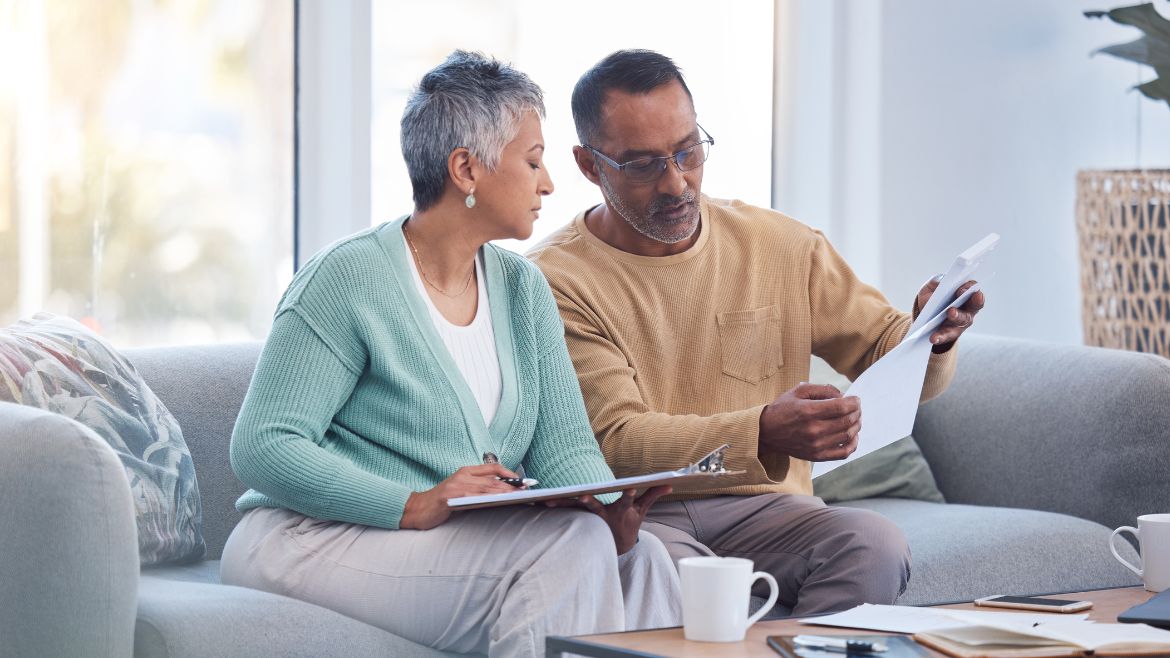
<point x="670" y="643"/>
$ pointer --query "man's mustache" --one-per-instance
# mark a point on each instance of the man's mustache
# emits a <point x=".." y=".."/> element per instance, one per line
<point x="667" y="201"/>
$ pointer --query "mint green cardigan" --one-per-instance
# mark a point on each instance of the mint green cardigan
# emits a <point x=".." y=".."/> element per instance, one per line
<point x="356" y="402"/>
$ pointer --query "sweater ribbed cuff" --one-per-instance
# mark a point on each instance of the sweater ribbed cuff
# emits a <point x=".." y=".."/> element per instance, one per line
<point x="360" y="497"/>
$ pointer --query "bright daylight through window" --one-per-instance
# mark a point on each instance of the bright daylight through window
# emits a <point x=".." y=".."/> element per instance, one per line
<point x="725" y="54"/>
<point x="146" y="165"/>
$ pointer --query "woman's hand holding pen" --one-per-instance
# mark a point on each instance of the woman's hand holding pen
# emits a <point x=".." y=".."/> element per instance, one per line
<point x="427" y="509"/>
<point x="624" y="516"/>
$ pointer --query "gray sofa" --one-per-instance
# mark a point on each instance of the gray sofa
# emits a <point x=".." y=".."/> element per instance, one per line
<point x="1039" y="449"/>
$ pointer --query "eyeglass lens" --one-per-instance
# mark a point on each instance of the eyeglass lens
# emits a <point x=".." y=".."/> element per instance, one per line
<point x="648" y="169"/>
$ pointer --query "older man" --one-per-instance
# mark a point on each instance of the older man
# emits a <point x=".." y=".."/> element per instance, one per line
<point x="691" y="322"/>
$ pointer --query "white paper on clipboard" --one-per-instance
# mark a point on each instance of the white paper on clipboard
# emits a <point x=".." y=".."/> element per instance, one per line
<point x="710" y="467"/>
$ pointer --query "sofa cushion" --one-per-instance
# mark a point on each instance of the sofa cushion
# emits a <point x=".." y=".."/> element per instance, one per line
<point x="57" y="364"/>
<point x="180" y="618"/>
<point x="206" y="571"/>
<point x="962" y="552"/>
<point x="896" y="471"/>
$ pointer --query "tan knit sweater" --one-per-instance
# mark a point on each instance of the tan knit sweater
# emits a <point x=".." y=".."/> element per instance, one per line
<point x="677" y="355"/>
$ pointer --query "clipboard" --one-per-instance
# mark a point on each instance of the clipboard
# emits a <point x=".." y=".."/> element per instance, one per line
<point x="707" y="469"/>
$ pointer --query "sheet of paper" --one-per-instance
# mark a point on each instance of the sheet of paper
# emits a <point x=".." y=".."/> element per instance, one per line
<point x="909" y="619"/>
<point x="959" y="273"/>
<point x="889" y="391"/>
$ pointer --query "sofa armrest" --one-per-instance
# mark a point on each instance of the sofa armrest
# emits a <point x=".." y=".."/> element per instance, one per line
<point x="1078" y="430"/>
<point x="68" y="540"/>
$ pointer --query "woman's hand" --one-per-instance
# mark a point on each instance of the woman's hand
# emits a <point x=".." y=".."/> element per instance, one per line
<point x="427" y="509"/>
<point x="623" y="516"/>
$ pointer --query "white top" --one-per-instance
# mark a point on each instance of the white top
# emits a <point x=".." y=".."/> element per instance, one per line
<point x="473" y="348"/>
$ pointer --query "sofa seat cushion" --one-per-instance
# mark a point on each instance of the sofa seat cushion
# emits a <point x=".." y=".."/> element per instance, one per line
<point x="205" y="571"/>
<point x="963" y="552"/>
<point x="183" y="611"/>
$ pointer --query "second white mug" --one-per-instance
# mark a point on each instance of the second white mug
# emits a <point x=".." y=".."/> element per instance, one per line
<point x="1153" y="535"/>
<point x="716" y="592"/>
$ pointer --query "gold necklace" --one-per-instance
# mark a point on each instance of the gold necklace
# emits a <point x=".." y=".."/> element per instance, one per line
<point x="422" y="269"/>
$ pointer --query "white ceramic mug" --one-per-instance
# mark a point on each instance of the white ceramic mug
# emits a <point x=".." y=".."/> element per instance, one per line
<point x="1153" y="535"/>
<point x="716" y="592"/>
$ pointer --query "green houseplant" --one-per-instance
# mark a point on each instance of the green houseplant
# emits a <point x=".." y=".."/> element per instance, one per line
<point x="1123" y="217"/>
<point x="1152" y="49"/>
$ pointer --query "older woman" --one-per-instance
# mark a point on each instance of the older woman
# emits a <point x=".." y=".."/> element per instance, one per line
<point x="401" y="357"/>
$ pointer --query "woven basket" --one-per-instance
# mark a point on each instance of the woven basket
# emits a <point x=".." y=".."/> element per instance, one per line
<point x="1123" y="225"/>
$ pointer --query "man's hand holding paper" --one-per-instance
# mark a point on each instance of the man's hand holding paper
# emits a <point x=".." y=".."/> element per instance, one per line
<point x="957" y="319"/>
<point x="888" y="391"/>
<point x="811" y="422"/>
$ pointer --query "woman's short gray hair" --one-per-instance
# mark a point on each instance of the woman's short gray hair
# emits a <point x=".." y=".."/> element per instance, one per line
<point x="470" y="101"/>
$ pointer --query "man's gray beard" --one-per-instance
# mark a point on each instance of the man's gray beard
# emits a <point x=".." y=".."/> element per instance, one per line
<point x="642" y="223"/>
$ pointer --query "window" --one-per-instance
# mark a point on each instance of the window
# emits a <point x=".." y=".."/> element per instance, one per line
<point x="725" y="54"/>
<point x="146" y="165"/>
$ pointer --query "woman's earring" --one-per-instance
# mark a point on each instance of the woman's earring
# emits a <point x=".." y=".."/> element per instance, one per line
<point x="470" y="200"/>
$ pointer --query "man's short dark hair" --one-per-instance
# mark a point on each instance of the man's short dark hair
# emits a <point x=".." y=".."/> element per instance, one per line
<point x="632" y="71"/>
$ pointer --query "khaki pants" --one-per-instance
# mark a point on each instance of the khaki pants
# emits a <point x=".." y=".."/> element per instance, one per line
<point x="487" y="581"/>
<point x="824" y="558"/>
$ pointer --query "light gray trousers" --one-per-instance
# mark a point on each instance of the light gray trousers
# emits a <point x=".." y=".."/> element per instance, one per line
<point x="824" y="558"/>
<point x="487" y="581"/>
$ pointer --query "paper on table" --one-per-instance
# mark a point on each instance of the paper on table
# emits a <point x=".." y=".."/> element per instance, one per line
<point x="889" y="390"/>
<point x="909" y="620"/>
<point x="995" y="628"/>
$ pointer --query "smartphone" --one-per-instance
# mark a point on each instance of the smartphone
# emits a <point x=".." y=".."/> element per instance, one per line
<point x="1034" y="603"/>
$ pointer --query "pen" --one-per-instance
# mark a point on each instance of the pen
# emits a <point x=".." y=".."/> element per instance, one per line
<point x="519" y="482"/>
<point x="834" y="644"/>
<point x="490" y="458"/>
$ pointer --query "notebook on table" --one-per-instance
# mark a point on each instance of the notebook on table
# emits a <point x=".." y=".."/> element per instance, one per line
<point x="1055" y="639"/>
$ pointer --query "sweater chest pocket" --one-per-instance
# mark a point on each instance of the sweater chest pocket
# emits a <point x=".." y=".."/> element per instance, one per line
<point x="749" y="342"/>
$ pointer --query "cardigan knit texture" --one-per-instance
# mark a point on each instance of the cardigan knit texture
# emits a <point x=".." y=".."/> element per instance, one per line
<point x="356" y="403"/>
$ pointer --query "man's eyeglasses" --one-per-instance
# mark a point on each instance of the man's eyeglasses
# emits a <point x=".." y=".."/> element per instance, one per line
<point x="645" y="170"/>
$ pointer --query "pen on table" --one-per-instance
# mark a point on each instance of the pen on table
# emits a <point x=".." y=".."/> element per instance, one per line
<point x="490" y="458"/>
<point x="836" y="644"/>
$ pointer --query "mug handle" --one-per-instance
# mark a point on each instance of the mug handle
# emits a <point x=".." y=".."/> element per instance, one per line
<point x="771" y="597"/>
<point x="1133" y="531"/>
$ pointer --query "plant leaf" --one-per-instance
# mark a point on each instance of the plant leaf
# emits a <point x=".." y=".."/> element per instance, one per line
<point x="1143" y="51"/>
<point x="1158" y="89"/>
<point x="1143" y="17"/>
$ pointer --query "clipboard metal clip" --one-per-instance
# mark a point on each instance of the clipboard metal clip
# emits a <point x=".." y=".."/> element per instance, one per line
<point x="712" y="463"/>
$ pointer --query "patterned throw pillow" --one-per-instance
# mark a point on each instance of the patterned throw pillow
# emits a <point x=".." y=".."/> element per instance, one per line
<point x="59" y="365"/>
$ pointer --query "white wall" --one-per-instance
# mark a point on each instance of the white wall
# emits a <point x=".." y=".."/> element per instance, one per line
<point x="985" y="111"/>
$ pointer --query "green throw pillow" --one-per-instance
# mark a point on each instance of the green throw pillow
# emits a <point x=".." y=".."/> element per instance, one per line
<point x="59" y="365"/>
<point x="896" y="471"/>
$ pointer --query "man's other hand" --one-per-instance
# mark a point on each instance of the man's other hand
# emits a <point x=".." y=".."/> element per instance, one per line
<point x="957" y="320"/>
<point x="811" y="422"/>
